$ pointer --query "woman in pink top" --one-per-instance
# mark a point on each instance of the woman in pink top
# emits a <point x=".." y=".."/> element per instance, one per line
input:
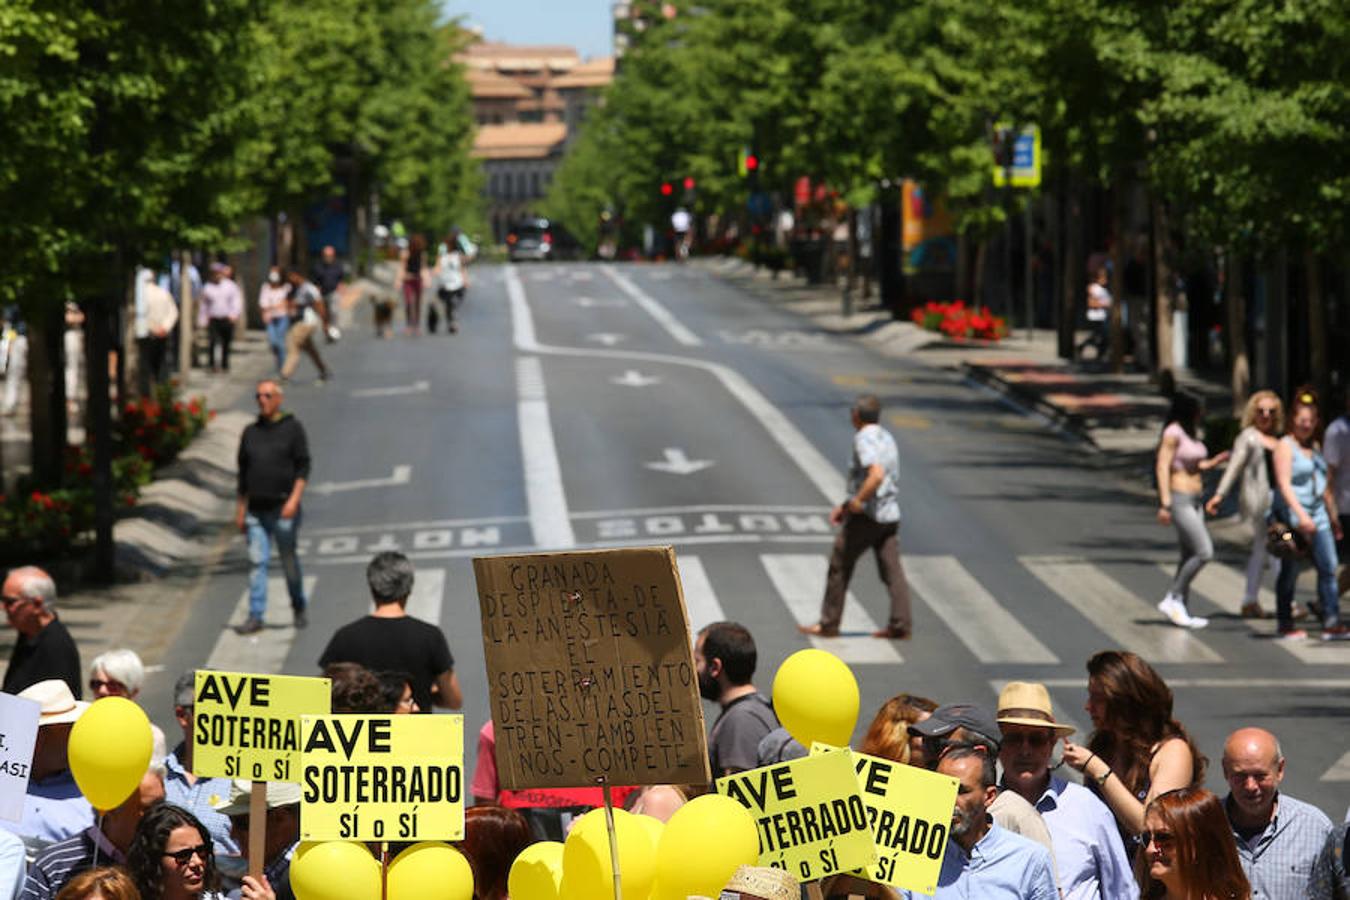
<point x="1182" y="457"/>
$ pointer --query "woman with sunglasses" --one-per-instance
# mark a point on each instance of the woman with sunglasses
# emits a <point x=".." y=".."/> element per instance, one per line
<point x="1251" y="460"/>
<point x="1188" y="850"/>
<point x="1305" y="501"/>
<point x="120" y="673"/>
<point x="172" y="858"/>
<point x="1137" y="750"/>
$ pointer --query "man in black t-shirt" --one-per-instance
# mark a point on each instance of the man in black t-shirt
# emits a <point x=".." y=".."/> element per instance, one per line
<point x="390" y="640"/>
<point x="45" y="648"/>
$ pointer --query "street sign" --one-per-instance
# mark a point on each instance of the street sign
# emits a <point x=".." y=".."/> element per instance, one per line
<point x="1026" y="158"/>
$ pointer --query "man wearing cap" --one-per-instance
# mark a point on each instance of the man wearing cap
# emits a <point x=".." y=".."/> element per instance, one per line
<point x="967" y="725"/>
<point x="1278" y="838"/>
<point x="45" y="648"/>
<point x="107" y="841"/>
<point x="199" y="796"/>
<point x="1090" y="860"/>
<point x="283" y="829"/>
<point x="983" y="860"/>
<point x="55" y="808"/>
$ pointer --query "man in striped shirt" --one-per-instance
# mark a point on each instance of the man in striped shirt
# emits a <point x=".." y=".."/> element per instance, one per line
<point x="95" y="846"/>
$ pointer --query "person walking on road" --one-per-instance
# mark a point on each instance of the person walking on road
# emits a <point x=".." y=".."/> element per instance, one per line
<point x="1253" y="452"/>
<point x="156" y="318"/>
<point x="222" y="304"/>
<point x="273" y="470"/>
<point x="1182" y="458"/>
<point x="870" y="517"/>
<point x="412" y="262"/>
<point x="1304" y="500"/>
<point x="451" y="283"/>
<point x="274" y="303"/>
<point x="1336" y="449"/>
<point x="309" y="317"/>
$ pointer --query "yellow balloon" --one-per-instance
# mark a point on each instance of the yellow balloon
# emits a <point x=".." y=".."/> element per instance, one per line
<point x="430" y="870"/>
<point x="587" y="873"/>
<point x="816" y="698"/>
<point x="537" y="872"/>
<point x="110" y="747"/>
<point x="702" y="845"/>
<point x="335" y="870"/>
<point x="655" y="827"/>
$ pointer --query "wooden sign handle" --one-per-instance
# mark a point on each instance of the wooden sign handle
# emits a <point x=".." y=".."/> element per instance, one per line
<point x="813" y="891"/>
<point x="613" y="838"/>
<point x="384" y="870"/>
<point x="257" y="828"/>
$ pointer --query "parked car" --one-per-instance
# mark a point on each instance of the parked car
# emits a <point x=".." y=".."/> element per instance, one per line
<point x="530" y="239"/>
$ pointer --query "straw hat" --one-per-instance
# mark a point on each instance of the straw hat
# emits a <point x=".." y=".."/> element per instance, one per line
<point x="762" y="882"/>
<point x="59" y="706"/>
<point x="279" y="794"/>
<point x="1028" y="703"/>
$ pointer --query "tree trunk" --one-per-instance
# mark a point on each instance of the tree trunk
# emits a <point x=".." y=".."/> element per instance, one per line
<point x="1240" y="363"/>
<point x="1317" y="325"/>
<point x="851" y="277"/>
<point x="1119" y="215"/>
<point x="47" y="392"/>
<point x="981" y="260"/>
<point x="99" y="334"/>
<point x="1165" y="286"/>
<point x="1074" y="263"/>
<point x="187" y="317"/>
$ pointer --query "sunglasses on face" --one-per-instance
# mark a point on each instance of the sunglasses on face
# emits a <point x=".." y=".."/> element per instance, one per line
<point x="184" y="856"/>
<point x="12" y="601"/>
<point x="263" y="395"/>
<point x="1265" y="411"/>
<point x="1031" y="738"/>
<point x="1163" y="840"/>
<point x="98" y="684"/>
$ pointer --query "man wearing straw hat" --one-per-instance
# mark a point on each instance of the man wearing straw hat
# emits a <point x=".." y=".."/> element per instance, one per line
<point x="1089" y="857"/>
<point x="283" y="829"/>
<point x="54" y="808"/>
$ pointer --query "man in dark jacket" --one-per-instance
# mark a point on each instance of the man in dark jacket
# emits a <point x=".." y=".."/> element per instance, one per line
<point x="273" y="469"/>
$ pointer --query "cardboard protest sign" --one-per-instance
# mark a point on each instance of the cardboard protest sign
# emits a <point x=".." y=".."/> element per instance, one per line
<point x="382" y="778"/>
<point x="590" y="669"/>
<point x="910" y="811"/>
<point x="18" y="734"/>
<point x="812" y="820"/>
<point x="248" y="726"/>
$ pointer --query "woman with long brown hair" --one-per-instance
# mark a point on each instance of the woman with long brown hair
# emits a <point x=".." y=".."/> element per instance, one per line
<point x="412" y="262"/>
<point x="1137" y="749"/>
<point x="1188" y="850"/>
<point x="493" y="838"/>
<point x="1253" y="453"/>
<point x="888" y="736"/>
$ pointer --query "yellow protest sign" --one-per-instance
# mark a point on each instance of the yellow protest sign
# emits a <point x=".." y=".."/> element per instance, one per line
<point x="590" y="669"/>
<point x="910" y="811"/>
<point x="811" y="818"/>
<point x="382" y="778"/>
<point x="247" y="726"/>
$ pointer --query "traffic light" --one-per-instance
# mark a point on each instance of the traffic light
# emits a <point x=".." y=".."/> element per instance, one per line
<point x="688" y="183"/>
<point x="667" y="189"/>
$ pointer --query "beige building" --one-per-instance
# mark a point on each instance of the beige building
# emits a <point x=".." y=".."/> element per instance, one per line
<point x="528" y="102"/>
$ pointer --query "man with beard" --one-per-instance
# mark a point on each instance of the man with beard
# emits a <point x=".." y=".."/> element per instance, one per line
<point x="724" y="656"/>
<point x="982" y="859"/>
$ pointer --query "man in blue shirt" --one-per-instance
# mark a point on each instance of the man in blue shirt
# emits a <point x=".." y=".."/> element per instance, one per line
<point x="1089" y="856"/>
<point x="982" y="859"/>
<point x="199" y="796"/>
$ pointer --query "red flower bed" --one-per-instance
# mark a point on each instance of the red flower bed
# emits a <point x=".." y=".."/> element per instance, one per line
<point x="959" y="322"/>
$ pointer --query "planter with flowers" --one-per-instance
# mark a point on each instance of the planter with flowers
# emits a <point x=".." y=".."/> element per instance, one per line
<point x="960" y="322"/>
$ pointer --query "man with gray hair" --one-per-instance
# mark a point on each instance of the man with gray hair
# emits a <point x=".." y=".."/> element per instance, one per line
<point x="390" y="640"/>
<point x="870" y="516"/>
<point x="45" y="648"/>
<point x="197" y="795"/>
<point x="1278" y="838"/>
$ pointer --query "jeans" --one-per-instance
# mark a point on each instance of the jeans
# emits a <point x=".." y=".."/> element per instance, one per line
<point x="1323" y="547"/>
<point x="276" y="338"/>
<point x="265" y="527"/>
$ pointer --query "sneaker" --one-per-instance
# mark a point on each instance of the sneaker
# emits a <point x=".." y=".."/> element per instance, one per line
<point x="1336" y="633"/>
<point x="252" y="625"/>
<point x="1292" y="634"/>
<point x="301" y="619"/>
<point x="1196" y="622"/>
<point x="1174" y="610"/>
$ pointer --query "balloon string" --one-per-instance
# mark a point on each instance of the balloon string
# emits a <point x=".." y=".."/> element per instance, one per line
<point x="96" y="841"/>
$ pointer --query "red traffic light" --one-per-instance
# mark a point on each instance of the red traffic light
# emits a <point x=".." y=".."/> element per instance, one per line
<point x="688" y="183"/>
<point x="751" y="162"/>
<point x="666" y="189"/>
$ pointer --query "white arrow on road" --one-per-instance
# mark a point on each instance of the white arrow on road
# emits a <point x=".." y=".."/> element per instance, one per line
<point x="590" y="302"/>
<point x="634" y="378"/>
<point x="417" y="387"/>
<point x="401" y="475"/>
<point x="677" y="463"/>
<point x="609" y="340"/>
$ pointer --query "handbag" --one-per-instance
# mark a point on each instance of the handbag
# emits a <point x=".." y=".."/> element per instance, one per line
<point x="1284" y="542"/>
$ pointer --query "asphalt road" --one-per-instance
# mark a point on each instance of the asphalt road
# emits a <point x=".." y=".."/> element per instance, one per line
<point x="589" y="406"/>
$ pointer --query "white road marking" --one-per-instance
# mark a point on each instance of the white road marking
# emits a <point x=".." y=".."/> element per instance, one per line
<point x="417" y="387"/>
<point x="427" y="595"/>
<point x="634" y="378"/>
<point x="1339" y="771"/>
<point x="266" y="650"/>
<point x="673" y="326"/>
<point x="1130" y="623"/>
<point x="818" y="470"/>
<point x="677" y="462"/>
<point x="987" y="629"/>
<point x="591" y="302"/>
<point x="1306" y="684"/>
<point x="700" y="600"/>
<point x="609" y="339"/>
<point x="400" y="475"/>
<point x="544" y="492"/>
<point x="799" y="579"/>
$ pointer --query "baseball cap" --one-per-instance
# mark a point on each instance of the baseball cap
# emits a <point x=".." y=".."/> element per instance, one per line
<point x="946" y="719"/>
